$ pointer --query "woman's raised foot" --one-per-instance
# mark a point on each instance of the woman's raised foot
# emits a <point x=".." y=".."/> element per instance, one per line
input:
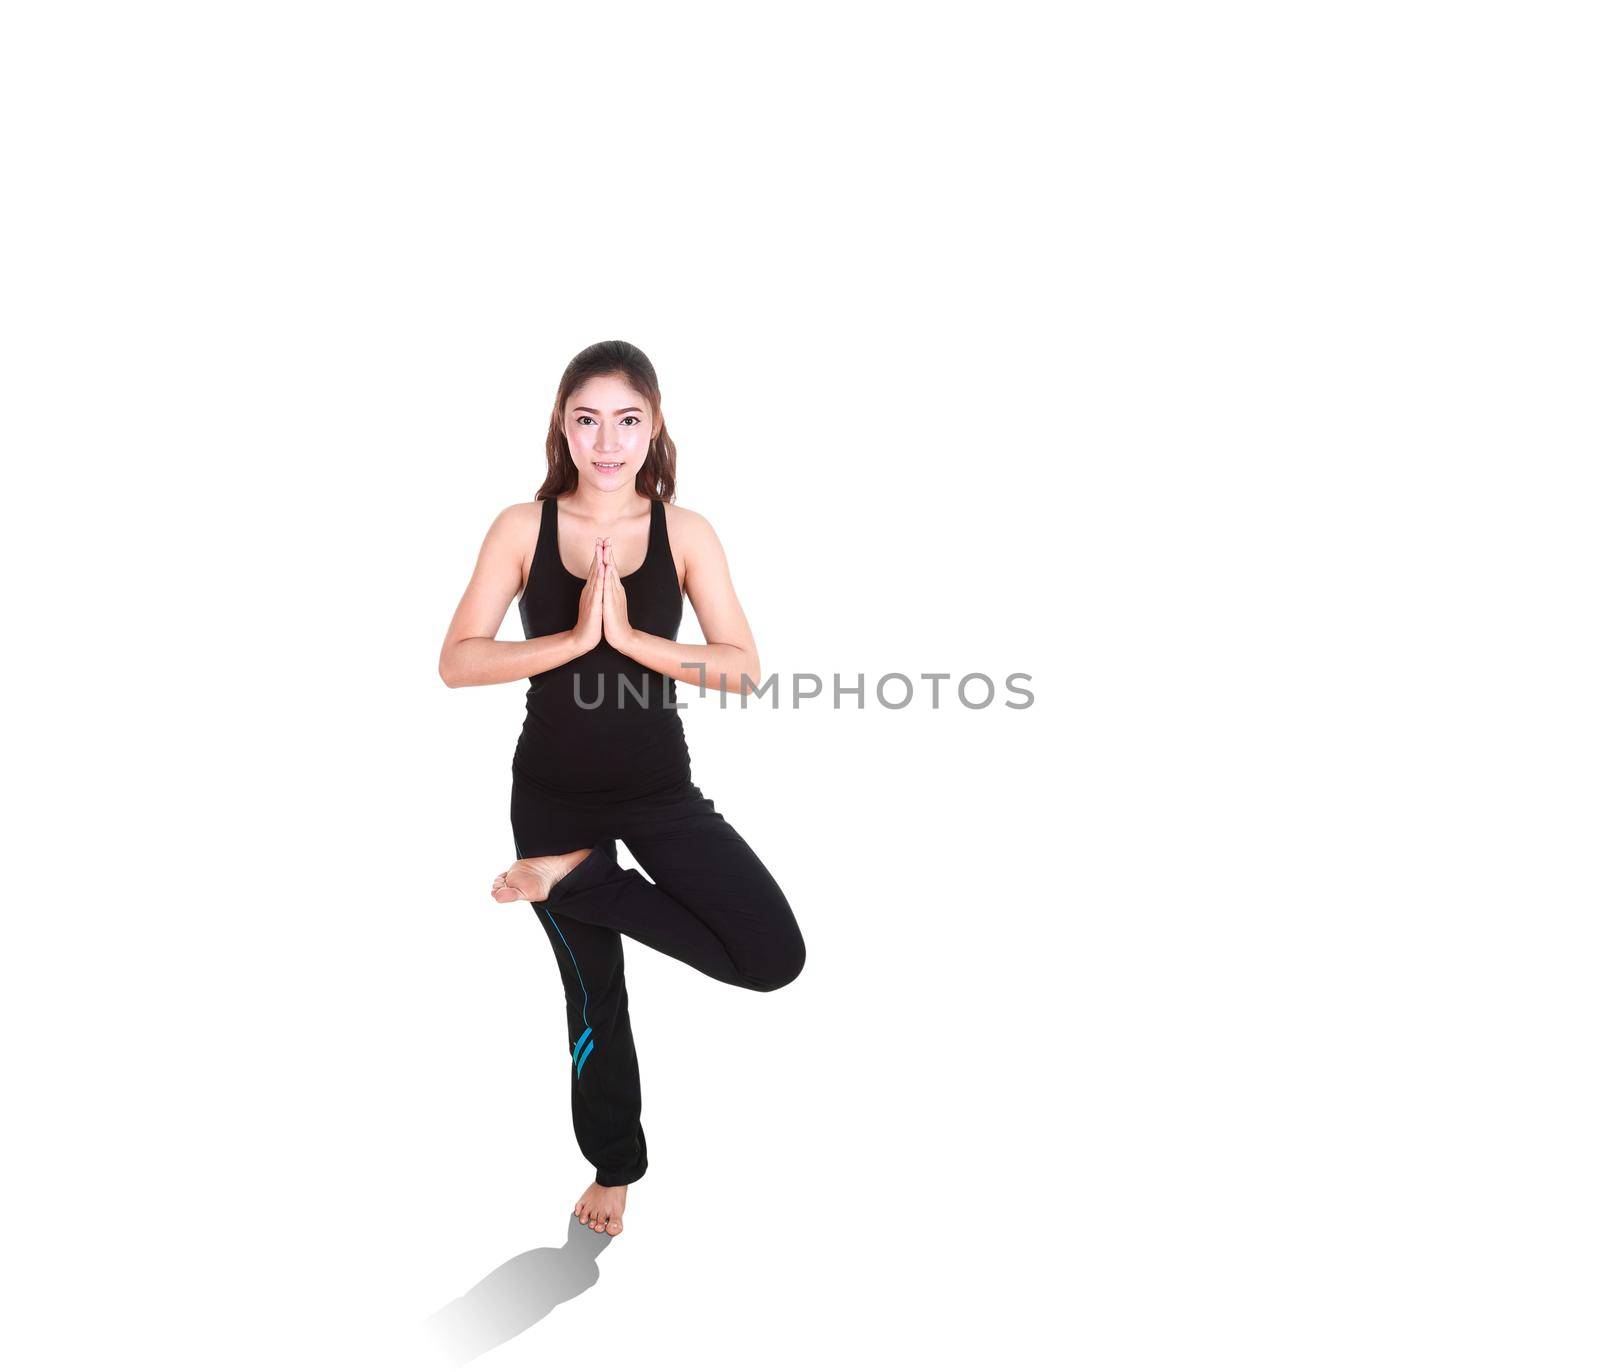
<point x="532" y="878"/>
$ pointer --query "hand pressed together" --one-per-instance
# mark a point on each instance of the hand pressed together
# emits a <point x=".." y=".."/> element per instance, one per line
<point x="603" y="605"/>
<point x="618" y="632"/>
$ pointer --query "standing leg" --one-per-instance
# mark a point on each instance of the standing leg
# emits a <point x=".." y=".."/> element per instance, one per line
<point x="605" y="1067"/>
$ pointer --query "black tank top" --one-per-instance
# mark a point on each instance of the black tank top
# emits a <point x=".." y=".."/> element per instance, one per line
<point x="631" y="743"/>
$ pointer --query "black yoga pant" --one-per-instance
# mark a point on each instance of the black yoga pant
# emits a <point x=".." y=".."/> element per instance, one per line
<point x="710" y="903"/>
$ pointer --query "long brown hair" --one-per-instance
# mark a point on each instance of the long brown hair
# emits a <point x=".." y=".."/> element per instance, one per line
<point x="657" y="478"/>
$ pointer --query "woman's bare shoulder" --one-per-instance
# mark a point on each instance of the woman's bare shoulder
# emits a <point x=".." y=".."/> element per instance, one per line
<point x="522" y="518"/>
<point x="689" y="524"/>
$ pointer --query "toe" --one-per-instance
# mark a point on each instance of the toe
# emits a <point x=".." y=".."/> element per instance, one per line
<point x="613" y="1226"/>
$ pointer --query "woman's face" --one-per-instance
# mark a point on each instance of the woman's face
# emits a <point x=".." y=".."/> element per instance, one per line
<point x="608" y="427"/>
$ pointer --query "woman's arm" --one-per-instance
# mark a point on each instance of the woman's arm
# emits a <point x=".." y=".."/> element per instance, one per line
<point x="729" y="652"/>
<point x="471" y="655"/>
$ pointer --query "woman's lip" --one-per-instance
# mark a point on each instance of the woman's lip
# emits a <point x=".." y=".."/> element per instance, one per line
<point x="608" y="464"/>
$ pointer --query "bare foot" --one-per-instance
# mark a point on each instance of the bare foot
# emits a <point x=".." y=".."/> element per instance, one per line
<point x="532" y="878"/>
<point x="600" y="1207"/>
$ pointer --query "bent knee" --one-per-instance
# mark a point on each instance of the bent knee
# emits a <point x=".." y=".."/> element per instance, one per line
<point x="779" y="973"/>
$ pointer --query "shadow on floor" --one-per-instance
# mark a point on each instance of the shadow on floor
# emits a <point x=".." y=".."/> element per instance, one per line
<point x="515" y="1296"/>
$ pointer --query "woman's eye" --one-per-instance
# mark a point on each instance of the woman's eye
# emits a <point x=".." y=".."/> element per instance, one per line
<point x="631" y="419"/>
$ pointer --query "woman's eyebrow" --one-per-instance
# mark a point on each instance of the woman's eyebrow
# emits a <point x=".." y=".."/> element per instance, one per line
<point x="624" y="410"/>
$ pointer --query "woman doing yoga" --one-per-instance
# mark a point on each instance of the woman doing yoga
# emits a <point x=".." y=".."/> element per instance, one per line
<point x="602" y="754"/>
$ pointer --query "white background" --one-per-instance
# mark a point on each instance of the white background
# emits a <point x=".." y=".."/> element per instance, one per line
<point x="1230" y="369"/>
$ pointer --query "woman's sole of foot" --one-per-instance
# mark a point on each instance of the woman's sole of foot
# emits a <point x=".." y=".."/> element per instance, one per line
<point x="532" y="878"/>
<point x="600" y="1207"/>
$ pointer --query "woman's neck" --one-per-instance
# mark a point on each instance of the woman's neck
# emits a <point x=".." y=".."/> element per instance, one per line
<point x="605" y="507"/>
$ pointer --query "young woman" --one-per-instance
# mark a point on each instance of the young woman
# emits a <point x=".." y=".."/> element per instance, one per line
<point x="603" y="559"/>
